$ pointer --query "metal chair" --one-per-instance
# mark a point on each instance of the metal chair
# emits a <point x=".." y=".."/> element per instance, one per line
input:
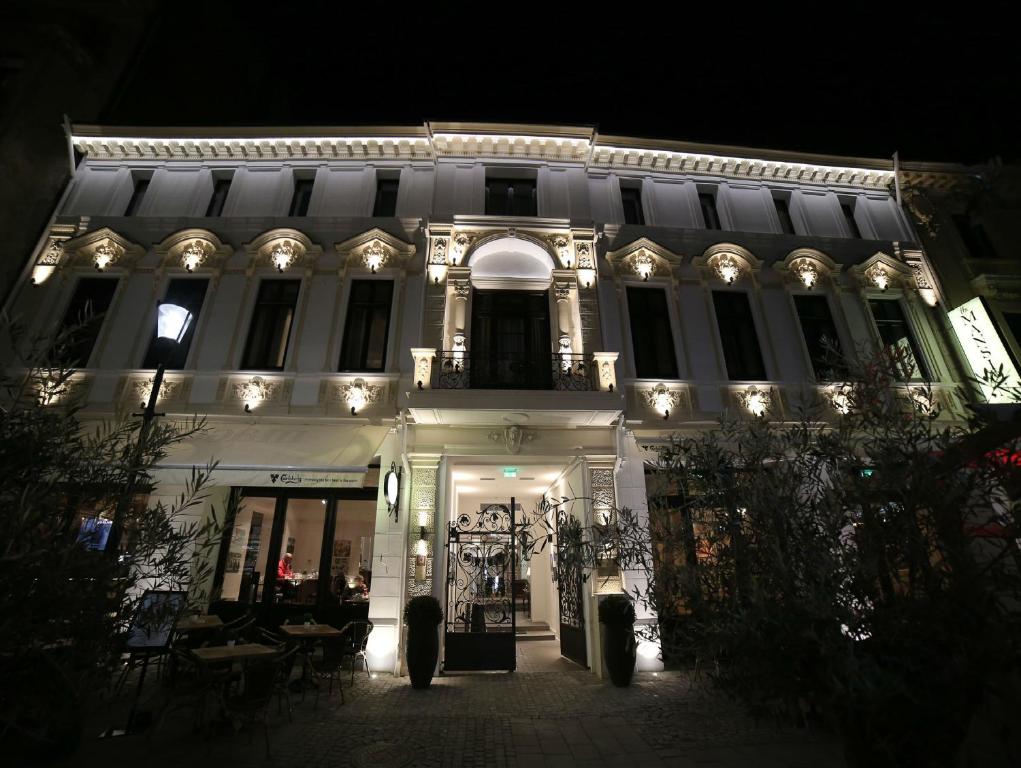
<point x="259" y="685"/>
<point x="358" y="633"/>
<point x="328" y="666"/>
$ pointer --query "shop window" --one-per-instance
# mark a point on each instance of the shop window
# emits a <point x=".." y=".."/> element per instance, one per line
<point x="184" y="292"/>
<point x="83" y="319"/>
<point x="221" y="188"/>
<point x="247" y="548"/>
<point x="847" y="209"/>
<point x="386" y="197"/>
<point x="896" y="335"/>
<point x="783" y="213"/>
<point x="510" y="197"/>
<point x="367" y="326"/>
<point x="710" y="216"/>
<point x="268" y="335"/>
<point x="631" y="198"/>
<point x="141" y="186"/>
<point x="651" y="336"/>
<point x="820" y="333"/>
<point x="738" y="336"/>
<point x="301" y="197"/>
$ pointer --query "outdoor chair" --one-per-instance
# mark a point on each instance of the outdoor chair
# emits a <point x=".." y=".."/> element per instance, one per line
<point x="190" y="686"/>
<point x="258" y="688"/>
<point x="357" y="637"/>
<point x="328" y="666"/>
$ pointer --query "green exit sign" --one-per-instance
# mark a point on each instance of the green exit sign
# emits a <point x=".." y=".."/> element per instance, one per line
<point x="510" y="471"/>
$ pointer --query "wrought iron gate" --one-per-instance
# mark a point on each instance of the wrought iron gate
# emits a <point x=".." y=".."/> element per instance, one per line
<point x="569" y="589"/>
<point x="480" y="626"/>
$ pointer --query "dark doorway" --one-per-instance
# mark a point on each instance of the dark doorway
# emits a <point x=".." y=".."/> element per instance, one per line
<point x="510" y="340"/>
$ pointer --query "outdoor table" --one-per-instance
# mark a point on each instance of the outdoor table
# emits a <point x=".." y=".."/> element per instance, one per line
<point x="307" y="634"/>
<point x="196" y="623"/>
<point x="223" y="653"/>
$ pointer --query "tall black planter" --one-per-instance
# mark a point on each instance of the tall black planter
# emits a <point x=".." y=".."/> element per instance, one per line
<point x="423" y="651"/>
<point x="619" y="652"/>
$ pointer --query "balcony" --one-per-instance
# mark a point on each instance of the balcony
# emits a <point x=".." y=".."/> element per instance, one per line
<point x="459" y="387"/>
<point x="560" y="372"/>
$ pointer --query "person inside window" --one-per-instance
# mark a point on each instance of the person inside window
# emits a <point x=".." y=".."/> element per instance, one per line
<point x="359" y="591"/>
<point x="284" y="570"/>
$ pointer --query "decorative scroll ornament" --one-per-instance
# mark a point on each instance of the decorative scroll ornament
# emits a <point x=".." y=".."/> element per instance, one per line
<point x="51" y="389"/>
<point x="562" y="292"/>
<point x="462" y="289"/>
<point x="255" y="391"/>
<point x="563" y="249"/>
<point x="105" y="255"/>
<point x="727" y="268"/>
<point x="462" y="241"/>
<point x="922" y="399"/>
<point x="840" y="399"/>
<point x="643" y="264"/>
<point x="358" y="394"/>
<point x="756" y="401"/>
<point x="923" y="211"/>
<point x="512" y="437"/>
<point x="806" y="271"/>
<point x="662" y="400"/>
<point x="283" y="255"/>
<point x="375" y="255"/>
<point x="878" y="276"/>
<point x="53" y="254"/>
<point x="193" y="256"/>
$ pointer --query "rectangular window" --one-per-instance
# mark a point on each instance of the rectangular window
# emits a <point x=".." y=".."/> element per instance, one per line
<point x="266" y="348"/>
<point x="137" y="195"/>
<point x="847" y="208"/>
<point x="187" y="293"/>
<point x="367" y="326"/>
<point x="824" y="350"/>
<point x="975" y="238"/>
<point x="631" y="197"/>
<point x="738" y="336"/>
<point x="301" y="198"/>
<point x="221" y="188"/>
<point x="896" y="335"/>
<point x="510" y="197"/>
<point x="651" y="337"/>
<point x="783" y="212"/>
<point x="386" y="197"/>
<point x="83" y="319"/>
<point x="711" y="217"/>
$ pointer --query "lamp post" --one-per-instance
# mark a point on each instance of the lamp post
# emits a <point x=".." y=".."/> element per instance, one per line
<point x="172" y="322"/>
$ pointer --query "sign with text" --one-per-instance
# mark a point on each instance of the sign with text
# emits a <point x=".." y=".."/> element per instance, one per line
<point x="984" y="349"/>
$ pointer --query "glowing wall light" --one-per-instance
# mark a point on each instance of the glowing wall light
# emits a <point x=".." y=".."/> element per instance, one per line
<point x="644" y="265"/>
<point x="727" y="268"/>
<point x="878" y="276"/>
<point x="755" y="400"/>
<point x="806" y="272"/>
<point x="105" y="255"/>
<point x="193" y="256"/>
<point x="282" y="256"/>
<point x="375" y="256"/>
<point x="42" y="272"/>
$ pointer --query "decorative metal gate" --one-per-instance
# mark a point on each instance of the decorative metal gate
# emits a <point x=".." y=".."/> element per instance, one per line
<point x="569" y="588"/>
<point x="480" y="627"/>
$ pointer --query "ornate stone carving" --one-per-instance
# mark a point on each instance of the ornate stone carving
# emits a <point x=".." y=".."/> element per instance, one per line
<point x="462" y="242"/>
<point x="643" y="263"/>
<point x="169" y="389"/>
<point x="806" y="271"/>
<point x="462" y="289"/>
<point x="562" y="247"/>
<point x="282" y="255"/>
<point x="923" y="211"/>
<point x="375" y="256"/>
<point x="583" y="254"/>
<point x="726" y="267"/>
<point x="878" y="276"/>
<point x="257" y="390"/>
<point x="663" y="400"/>
<point x="358" y="394"/>
<point x="756" y="401"/>
<point x="562" y="292"/>
<point x="193" y="256"/>
<point x="512" y="437"/>
<point x="106" y="254"/>
<point x="438" y="252"/>
<point x="53" y="252"/>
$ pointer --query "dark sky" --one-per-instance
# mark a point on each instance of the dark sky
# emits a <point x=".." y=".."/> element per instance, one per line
<point x="832" y="77"/>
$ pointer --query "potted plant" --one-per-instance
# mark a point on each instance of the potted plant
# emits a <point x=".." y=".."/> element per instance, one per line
<point x="617" y="616"/>
<point x="422" y="615"/>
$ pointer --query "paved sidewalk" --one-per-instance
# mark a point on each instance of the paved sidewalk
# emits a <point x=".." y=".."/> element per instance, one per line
<point x="545" y="714"/>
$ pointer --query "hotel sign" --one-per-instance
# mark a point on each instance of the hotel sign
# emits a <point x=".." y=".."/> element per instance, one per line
<point x="984" y="349"/>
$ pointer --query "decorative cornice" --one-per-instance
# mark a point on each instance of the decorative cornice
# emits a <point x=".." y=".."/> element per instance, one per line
<point x="281" y="248"/>
<point x="192" y="249"/>
<point x="375" y="246"/>
<point x="639" y="253"/>
<point x="114" y="249"/>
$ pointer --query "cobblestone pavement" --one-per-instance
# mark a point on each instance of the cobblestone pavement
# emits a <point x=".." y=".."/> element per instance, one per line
<point x="548" y="713"/>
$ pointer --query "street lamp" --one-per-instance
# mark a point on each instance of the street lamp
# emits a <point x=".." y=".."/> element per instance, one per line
<point x="172" y="322"/>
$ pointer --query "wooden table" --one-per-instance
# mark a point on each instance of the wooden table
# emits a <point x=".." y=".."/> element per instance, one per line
<point x="310" y="631"/>
<point x="241" y="652"/>
<point x="195" y="623"/>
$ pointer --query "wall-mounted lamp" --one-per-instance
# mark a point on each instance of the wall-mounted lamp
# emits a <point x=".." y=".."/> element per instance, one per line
<point x="755" y="400"/>
<point x="586" y="277"/>
<point x="644" y="265"/>
<point x="41" y="273"/>
<point x="806" y="272"/>
<point x="727" y="268"/>
<point x="662" y="400"/>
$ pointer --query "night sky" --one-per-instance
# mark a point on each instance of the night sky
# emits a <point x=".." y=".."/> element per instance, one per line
<point x="831" y="78"/>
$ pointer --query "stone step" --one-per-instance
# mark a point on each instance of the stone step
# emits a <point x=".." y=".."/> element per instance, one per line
<point x="527" y="637"/>
<point x="532" y="626"/>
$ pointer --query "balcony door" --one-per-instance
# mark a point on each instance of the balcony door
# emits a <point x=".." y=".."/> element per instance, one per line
<point x="510" y="340"/>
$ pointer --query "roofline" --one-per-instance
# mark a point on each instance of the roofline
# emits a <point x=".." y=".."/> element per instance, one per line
<point x="483" y="133"/>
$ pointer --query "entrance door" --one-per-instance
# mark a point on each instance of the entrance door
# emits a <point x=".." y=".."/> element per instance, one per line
<point x="510" y="340"/>
<point x="480" y="625"/>
<point x="569" y="583"/>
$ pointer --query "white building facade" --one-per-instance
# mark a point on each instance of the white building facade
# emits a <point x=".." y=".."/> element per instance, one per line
<point x="496" y="311"/>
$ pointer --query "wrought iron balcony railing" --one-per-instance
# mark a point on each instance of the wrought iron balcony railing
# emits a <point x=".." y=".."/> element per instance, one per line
<point x="468" y="370"/>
